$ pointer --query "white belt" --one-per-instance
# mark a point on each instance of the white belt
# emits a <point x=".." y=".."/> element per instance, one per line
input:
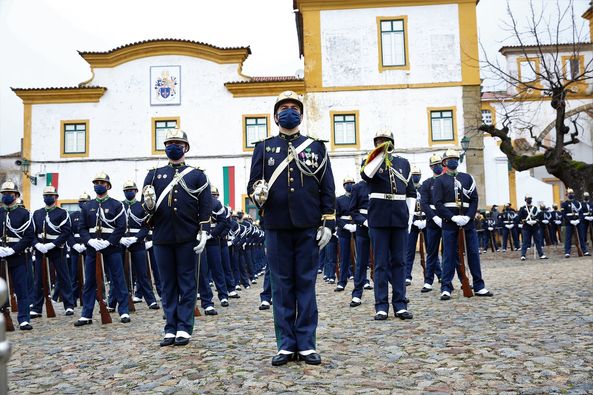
<point x="363" y="211"/>
<point x="432" y="206"/>
<point x="48" y="237"/>
<point x="76" y="235"/>
<point x="134" y="230"/>
<point x="387" y="196"/>
<point x="12" y="239"/>
<point x="453" y="204"/>
<point x="103" y="230"/>
<point x="347" y="217"/>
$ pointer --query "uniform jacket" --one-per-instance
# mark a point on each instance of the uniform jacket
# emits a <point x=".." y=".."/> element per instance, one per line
<point x="426" y="203"/>
<point x="57" y="225"/>
<point x="529" y="212"/>
<point x="16" y="226"/>
<point x="572" y="210"/>
<point x="445" y="195"/>
<point x="343" y="216"/>
<point x="108" y="216"/>
<point x="137" y="227"/>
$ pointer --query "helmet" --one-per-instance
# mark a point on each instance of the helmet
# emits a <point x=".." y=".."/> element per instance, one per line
<point x="416" y="170"/>
<point x="451" y="153"/>
<point x="569" y="190"/>
<point x="129" y="184"/>
<point x="347" y="180"/>
<point x="84" y="197"/>
<point x="176" y="134"/>
<point x="214" y="190"/>
<point x="554" y="206"/>
<point x="528" y="196"/>
<point x="586" y="194"/>
<point x="10" y="186"/>
<point x="50" y="190"/>
<point x="384" y="134"/>
<point x="102" y="176"/>
<point x="435" y="159"/>
<point x="288" y="96"/>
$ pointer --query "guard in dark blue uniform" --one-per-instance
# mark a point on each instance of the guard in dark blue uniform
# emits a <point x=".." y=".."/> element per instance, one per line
<point x="587" y="217"/>
<point x="345" y="230"/>
<point x="456" y="200"/>
<point x="572" y="212"/>
<point x="434" y="225"/>
<point x="507" y="221"/>
<point x="133" y="242"/>
<point x="418" y="225"/>
<point x="53" y="228"/>
<point x="391" y="209"/>
<point x="291" y="181"/>
<point x="489" y="226"/>
<point x="102" y="224"/>
<point x="219" y="224"/>
<point x="179" y="201"/>
<point x="77" y="251"/>
<point x="17" y="229"/>
<point x="529" y="217"/>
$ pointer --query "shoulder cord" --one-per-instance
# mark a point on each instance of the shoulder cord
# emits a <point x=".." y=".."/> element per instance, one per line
<point x="54" y="227"/>
<point x="575" y="209"/>
<point x="109" y="222"/>
<point x="138" y="220"/>
<point x="194" y="193"/>
<point x="20" y="230"/>
<point x="304" y="169"/>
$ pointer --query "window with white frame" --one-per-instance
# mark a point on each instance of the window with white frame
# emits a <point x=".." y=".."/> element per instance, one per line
<point x="75" y="138"/>
<point x="572" y="68"/>
<point x="527" y="70"/>
<point x="160" y="131"/>
<point x="344" y="129"/>
<point x="441" y="123"/>
<point x="256" y="129"/>
<point x="393" y="42"/>
<point x="487" y="117"/>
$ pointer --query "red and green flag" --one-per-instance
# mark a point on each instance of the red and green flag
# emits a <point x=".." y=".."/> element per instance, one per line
<point x="228" y="176"/>
<point x="51" y="179"/>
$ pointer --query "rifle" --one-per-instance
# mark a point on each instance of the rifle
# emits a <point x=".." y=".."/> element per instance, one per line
<point x="461" y="250"/>
<point x="49" y="307"/>
<point x="129" y="279"/>
<point x="547" y="235"/>
<point x="492" y="241"/>
<point x="13" y="304"/>
<point x="578" y="240"/>
<point x="7" y="319"/>
<point x="352" y="254"/>
<point x="422" y="257"/>
<point x="105" y="317"/>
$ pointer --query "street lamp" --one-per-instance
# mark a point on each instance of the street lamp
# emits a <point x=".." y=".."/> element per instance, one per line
<point x="464" y="146"/>
<point x="25" y="165"/>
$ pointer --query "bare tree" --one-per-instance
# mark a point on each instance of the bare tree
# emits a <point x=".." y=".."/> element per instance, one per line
<point x="550" y="78"/>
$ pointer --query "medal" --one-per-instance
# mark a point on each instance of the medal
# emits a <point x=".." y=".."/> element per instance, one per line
<point x="164" y="176"/>
<point x="159" y="176"/>
<point x="271" y="162"/>
<point x="308" y="162"/>
<point x="268" y="149"/>
<point x="277" y="150"/>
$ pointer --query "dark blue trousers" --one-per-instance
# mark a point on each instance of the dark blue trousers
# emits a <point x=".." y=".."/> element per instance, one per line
<point x="433" y="263"/>
<point x="451" y="258"/>
<point x="266" y="293"/>
<point x="344" y="259"/>
<point x="322" y="259"/>
<point x="292" y="256"/>
<point x="139" y="271"/>
<point x="514" y="242"/>
<point x="388" y="246"/>
<point x="19" y="270"/>
<point x="156" y="279"/>
<point x="73" y="269"/>
<point x="411" y="250"/>
<point x="363" y="249"/>
<point x="204" y="288"/>
<point x="114" y="265"/>
<point x="226" y="266"/>
<point x="215" y="266"/>
<point x="529" y="232"/>
<point x="235" y="264"/>
<point x="331" y="254"/>
<point x="570" y="229"/>
<point x="57" y="260"/>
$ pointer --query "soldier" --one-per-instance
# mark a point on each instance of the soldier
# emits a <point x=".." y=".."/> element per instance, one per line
<point x="433" y="226"/>
<point x="544" y="219"/>
<point x="489" y="226"/>
<point x="17" y="234"/>
<point x="392" y="200"/>
<point x="418" y="225"/>
<point x="507" y="222"/>
<point x="102" y="224"/>
<point x="529" y="215"/>
<point x="572" y="212"/>
<point x="345" y="230"/>
<point x="291" y="181"/>
<point x="555" y="224"/>
<point x="133" y="242"/>
<point x="456" y="201"/>
<point x="53" y="229"/>
<point x="77" y="250"/>
<point x="178" y="198"/>
<point x="587" y="217"/>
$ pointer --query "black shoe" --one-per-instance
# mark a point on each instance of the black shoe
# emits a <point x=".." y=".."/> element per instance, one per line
<point x="167" y="341"/>
<point x="311" y="359"/>
<point x="125" y="320"/>
<point x="406" y="315"/>
<point x="224" y="303"/>
<point x="355" y="304"/>
<point x="424" y="290"/>
<point x="407" y="300"/>
<point x="34" y="314"/>
<point x="281" y="359"/>
<point x="486" y="294"/>
<point x="587" y="254"/>
<point x="26" y="327"/>
<point x="211" y="312"/>
<point x="181" y="341"/>
<point x="83" y="322"/>
<point x="445" y="297"/>
<point x="69" y="312"/>
<point x="154" y="306"/>
<point x="380" y="317"/>
<point x="339" y="288"/>
<point x="264" y="306"/>
<point x="235" y="296"/>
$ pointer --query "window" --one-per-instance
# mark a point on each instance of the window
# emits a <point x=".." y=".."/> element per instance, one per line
<point x="442" y="127"/>
<point x="159" y="131"/>
<point x="70" y="207"/>
<point x="571" y="67"/>
<point x="250" y="208"/>
<point x="344" y="129"/>
<point x="487" y="117"/>
<point x="74" y="138"/>
<point x="393" y="43"/>
<point x="255" y="128"/>
<point x="528" y="69"/>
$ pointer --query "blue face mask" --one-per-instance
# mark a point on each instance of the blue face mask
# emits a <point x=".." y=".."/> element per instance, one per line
<point x="528" y="201"/>
<point x="174" y="151"/>
<point x="571" y="196"/>
<point x="81" y="204"/>
<point x="416" y="179"/>
<point x="130" y="195"/>
<point x="348" y="187"/>
<point x="49" y="200"/>
<point x="7" y="199"/>
<point x="437" y="169"/>
<point x="452" y="164"/>
<point x="100" y="189"/>
<point x="289" y="118"/>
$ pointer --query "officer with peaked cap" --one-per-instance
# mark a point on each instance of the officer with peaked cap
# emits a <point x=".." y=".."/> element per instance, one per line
<point x="16" y="234"/>
<point x="529" y="216"/>
<point x="392" y="200"/>
<point x="572" y="212"/>
<point x="178" y="198"/>
<point x="346" y="229"/>
<point x="418" y="225"/>
<point x="102" y="225"/>
<point x="456" y="200"/>
<point x="53" y="228"/>
<point x="292" y="183"/>
<point x="77" y="249"/>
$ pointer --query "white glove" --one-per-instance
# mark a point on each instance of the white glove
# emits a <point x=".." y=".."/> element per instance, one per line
<point x="201" y="238"/>
<point x="209" y="236"/>
<point x="41" y="248"/>
<point x="229" y="243"/>
<point x="350" y="227"/>
<point x="532" y="222"/>
<point x="545" y="221"/>
<point x="509" y="226"/>
<point x="132" y="240"/>
<point x="589" y="218"/>
<point x="149" y="195"/>
<point x="520" y="226"/>
<point x="420" y="224"/>
<point x="457" y="219"/>
<point x="416" y="223"/>
<point x="438" y="220"/>
<point x="558" y="222"/>
<point x="575" y="222"/>
<point x="324" y="234"/>
<point x="49" y="246"/>
<point x="148" y="244"/>
<point x="80" y="248"/>
<point x="96" y="244"/>
<point x="411" y="203"/>
<point x="3" y="252"/>
<point x="490" y="228"/>
<point x="464" y="220"/>
<point x="6" y="251"/>
<point x="366" y="223"/>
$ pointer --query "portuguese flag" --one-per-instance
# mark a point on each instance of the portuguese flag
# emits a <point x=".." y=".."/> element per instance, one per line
<point x="228" y="176"/>
<point x="51" y="179"/>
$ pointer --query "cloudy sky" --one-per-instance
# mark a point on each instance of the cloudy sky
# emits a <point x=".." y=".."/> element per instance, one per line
<point x="39" y="38"/>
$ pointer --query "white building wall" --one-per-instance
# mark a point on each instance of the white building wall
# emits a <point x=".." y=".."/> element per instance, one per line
<point x="497" y="174"/>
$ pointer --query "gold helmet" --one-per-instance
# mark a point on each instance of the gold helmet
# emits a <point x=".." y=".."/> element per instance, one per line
<point x="528" y="196"/>
<point x="416" y="170"/>
<point x="10" y="186"/>
<point x="102" y="176"/>
<point x="50" y="190"/>
<point x="384" y="134"/>
<point x="347" y="180"/>
<point x="569" y="190"/>
<point x="178" y="135"/>
<point x="435" y="159"/>
<point x="129" y="184"/>
<point x="84" y="197"/>
<point x="214" y="190"/>
<point x="451" y="154"/>
<point x="586" y="194"/>
<point x="289" y="96"/>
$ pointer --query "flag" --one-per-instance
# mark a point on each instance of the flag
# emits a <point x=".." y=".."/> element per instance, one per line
<point x="228" y="176"/>
<point x="51" y="179"/>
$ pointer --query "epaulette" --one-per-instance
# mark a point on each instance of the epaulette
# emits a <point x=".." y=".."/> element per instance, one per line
<point x="314" y="137"/>
<point x="262" y="140"/>
<point x="197" y="168"/>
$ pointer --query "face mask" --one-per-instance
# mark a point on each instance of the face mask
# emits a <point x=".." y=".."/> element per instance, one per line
<point x="528" y="201"/>
<point x="416" y="179"/>
<point x="452" y="164"/>
<point x="348" y="187"/>
<point x="49" y="200"/>
<point x="571" y="196"/>
<point x="174" y="151"/>
<point x="289" y="118"/>
<point x="81" y="204"/>
<point x="437" y="169"/>
<point x="130" y="195"/>
<point x="7" y="199"/>
<point x="100" y="189"/>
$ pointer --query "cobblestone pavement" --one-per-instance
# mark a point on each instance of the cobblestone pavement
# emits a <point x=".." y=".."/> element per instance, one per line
<point x="534" y="336"/>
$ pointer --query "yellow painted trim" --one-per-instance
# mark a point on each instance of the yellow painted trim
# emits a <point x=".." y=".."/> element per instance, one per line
<point x="52" y="96"/>
<point x="537" y="82"/>
<point x="153" y="121"/>
<point x="387" y="87"/>
<point x="87" y="138"/>
<point x="161" y="48"/>
<point x="312" y="49"/>
<point x="513" y="188"/>
<point x="468" y="42"/>
<point x="243" y="207"/>
<point x="244" y="128"/>
<point x="352" y="4"/>
<point x="66" y="201"/>
<point x="335" y="146"/>
<point x="406" y="66"/>
<point x="489" y="107"/>
<point x="576" y="87"/>
<point x="255" y="89"/>
<point x="26" y="153"/>
<point x="575" y="96"/>
<point x="455" y="140"/>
